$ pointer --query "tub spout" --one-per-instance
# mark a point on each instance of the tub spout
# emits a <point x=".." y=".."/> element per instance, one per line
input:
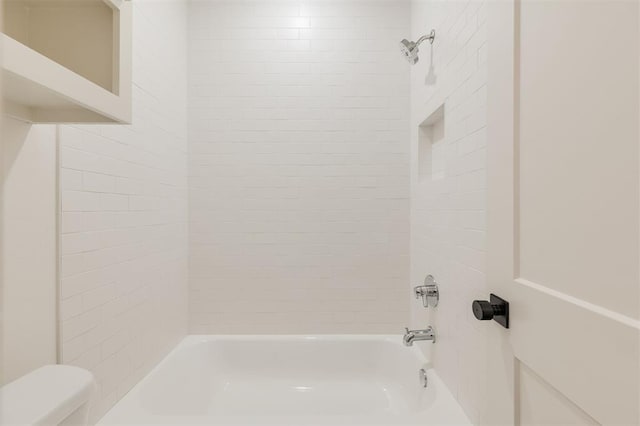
<point x="414" y="335"/>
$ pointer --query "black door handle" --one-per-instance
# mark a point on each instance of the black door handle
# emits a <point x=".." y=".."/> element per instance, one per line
<point x="495" y="308"/>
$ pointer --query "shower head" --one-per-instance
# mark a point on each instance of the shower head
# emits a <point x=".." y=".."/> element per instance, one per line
<point x="410" y="48"/>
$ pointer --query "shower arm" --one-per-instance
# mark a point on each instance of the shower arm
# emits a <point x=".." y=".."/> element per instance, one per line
<point x="430" y="37"/>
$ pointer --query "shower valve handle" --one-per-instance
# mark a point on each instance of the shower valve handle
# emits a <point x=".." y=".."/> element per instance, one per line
<point x="428" y="292"/>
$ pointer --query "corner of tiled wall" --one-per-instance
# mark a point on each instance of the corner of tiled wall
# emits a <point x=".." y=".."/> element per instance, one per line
<point x="448" y="212"/>
<point x="123" y="238"/>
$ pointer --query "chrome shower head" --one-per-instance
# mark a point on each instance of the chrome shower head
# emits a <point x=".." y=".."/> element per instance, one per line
<point x="410" y="48"/>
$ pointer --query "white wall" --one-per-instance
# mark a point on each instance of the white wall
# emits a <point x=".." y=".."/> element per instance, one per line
<point x="299" y="167"/>
<point x="123" y="235"/>
<point x="448" y="212"/>
<point x="29" y="241"/>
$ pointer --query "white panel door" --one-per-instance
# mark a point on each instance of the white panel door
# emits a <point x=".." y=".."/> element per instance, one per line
<point x="563" y="212"/>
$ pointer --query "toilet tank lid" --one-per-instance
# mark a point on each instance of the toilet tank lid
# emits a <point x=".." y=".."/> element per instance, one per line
<point x="46" y="395"/>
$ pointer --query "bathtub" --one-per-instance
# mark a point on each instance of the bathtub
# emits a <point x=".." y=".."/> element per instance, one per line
<point x="289" y="380"/>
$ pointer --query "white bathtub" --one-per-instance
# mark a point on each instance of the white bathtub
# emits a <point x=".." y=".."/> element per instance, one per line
<point x="289" y="380"/>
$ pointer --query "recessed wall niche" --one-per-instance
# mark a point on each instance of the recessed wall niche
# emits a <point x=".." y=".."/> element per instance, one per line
<point x="431" y="147"/>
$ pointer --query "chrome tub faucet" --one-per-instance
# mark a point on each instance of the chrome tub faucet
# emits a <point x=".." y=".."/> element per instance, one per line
<point x="414" y="335"/>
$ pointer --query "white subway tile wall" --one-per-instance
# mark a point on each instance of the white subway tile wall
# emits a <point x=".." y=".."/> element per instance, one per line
<point x="124" y="221"/>
<point x="299" y="166"/>
<point x="297" y="201"/>
<point x="448" y="214"/>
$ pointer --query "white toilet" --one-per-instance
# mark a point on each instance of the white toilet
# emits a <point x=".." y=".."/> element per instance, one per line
<point x="50" y="395"/>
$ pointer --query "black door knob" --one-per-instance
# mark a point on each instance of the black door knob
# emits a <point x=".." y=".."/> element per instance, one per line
<point x="484" y="310"/>
<point x="496" y="309"/>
